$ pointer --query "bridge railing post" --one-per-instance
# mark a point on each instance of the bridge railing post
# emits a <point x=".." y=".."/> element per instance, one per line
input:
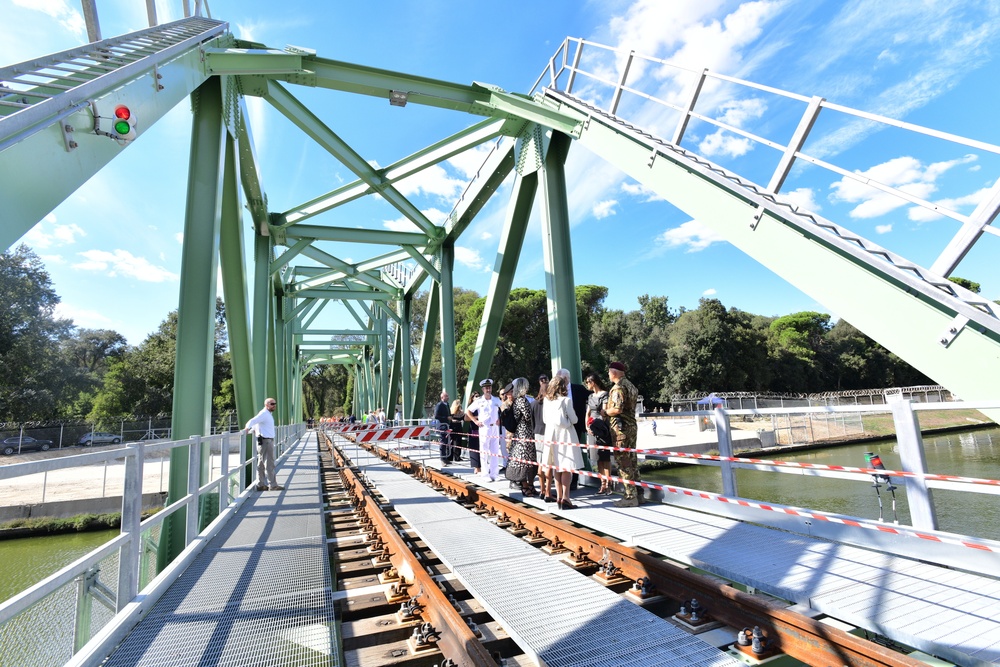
<point x="224" y="472"/>
<point x="725" y="438"/>
<point x="130" y="553"/>
<point x="194" y="475"/>
<point x="911" y="454"/>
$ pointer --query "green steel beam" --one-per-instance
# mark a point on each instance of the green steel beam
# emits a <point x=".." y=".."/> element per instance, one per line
<point x="40" y="168"/>
<point x="234" y="288"/>
<point x="387" y="311"/>
<point x="252" y="61"/>
<point x="306" y="121"/>
<point x="564" y="331"/>
<point x="478" y="99"/>
<point x="384" y="361"/>
<point x="436" y="153"/>
<point x="355" y="235"/>
<point x="262" y="302"/>
<point x="351" y="271"/>
<point x="406" y="371"/>
<point x="192" y="404"/>
<point x="380" y="261"/>
<point x="253" y="190"/>
<point x="340" y="293"/>
<point x="334" y="332"/>
<point x="426" y="349"/>
<point x="490" y="177"/>
<point x="308" y="322"/>
<point x="449" y="372"/>
<point x="424" y="263"/>
<point x="511" y="242"/>
<point x="393" y="398"/>
<point x="289" y="255"/>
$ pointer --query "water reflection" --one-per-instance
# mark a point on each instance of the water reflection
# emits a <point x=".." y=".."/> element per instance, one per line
<point x="967" y="454"/>
<point x="28" y="560"/>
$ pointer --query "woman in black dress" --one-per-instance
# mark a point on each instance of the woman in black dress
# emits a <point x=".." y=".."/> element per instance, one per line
<point x="522" y="467"/>
<point x="456" y="422"/>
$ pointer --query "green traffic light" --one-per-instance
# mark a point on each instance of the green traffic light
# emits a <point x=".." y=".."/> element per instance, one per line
<point x="122" y="127"/>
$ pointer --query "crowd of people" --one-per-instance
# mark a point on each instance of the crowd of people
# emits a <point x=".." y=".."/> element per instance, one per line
<point x="565" y="427"/>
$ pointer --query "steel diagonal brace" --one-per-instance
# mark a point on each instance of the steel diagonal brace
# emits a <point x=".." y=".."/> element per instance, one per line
<point x="299" y="114"/>
<point x="348" y="269"/>
<point x="470" y="137"/>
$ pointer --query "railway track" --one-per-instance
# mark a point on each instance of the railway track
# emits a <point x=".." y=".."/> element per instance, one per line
<point x="400" y="606"/>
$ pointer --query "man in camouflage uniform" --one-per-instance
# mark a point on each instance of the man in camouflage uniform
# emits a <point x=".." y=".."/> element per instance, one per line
<point x="621" y="419"/>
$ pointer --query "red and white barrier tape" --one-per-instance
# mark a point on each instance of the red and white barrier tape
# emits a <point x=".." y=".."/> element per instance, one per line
<point x="394" y="433"/>
<point x="902" y="531"/>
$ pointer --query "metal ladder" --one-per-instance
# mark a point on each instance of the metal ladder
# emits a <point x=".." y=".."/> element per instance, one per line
<point x="36" y="93"/>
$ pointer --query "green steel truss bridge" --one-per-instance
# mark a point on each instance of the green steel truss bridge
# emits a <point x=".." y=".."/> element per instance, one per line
<point x="58" y="127"/>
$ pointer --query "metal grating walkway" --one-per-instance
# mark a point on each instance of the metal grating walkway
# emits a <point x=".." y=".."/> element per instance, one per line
<point x="949" y="613"/>
<point x="555" y="615"/>
<point x="260" y="593"/>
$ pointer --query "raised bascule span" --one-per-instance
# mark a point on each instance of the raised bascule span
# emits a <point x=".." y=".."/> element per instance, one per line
<point x="64" y="117"/>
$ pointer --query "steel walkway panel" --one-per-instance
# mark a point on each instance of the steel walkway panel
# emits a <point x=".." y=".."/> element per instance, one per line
<point x="259" y="594"/>
<point x="561" y="618"/>
<point x="945" y="612"/>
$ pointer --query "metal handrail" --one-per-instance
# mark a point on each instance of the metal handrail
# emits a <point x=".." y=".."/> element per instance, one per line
<point x="972" y="225"/>
<point x="127" y="543"/>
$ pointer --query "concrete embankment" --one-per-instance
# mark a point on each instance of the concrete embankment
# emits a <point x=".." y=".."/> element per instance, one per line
<point x="70" y="508"/>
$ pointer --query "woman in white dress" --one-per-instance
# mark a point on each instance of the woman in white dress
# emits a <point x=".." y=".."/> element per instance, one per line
<point x="561" y="446"/>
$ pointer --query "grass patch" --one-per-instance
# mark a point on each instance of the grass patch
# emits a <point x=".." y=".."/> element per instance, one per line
<point x="881" y="425"/>
<point x="72" y="524"/>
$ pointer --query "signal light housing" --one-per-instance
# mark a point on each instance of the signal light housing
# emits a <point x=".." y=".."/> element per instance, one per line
<point x="124" y="123"/>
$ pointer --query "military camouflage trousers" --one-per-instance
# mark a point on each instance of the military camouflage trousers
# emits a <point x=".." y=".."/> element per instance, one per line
<point x="628" y="469"/>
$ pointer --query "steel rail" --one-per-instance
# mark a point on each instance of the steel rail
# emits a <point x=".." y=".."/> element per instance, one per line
<point x="457" y="641"/>
<point x="795" y="634"/>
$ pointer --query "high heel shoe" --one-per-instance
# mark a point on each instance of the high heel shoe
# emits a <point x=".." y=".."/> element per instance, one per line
<point x="566" y="505"/>
<point x="548" y="499"/>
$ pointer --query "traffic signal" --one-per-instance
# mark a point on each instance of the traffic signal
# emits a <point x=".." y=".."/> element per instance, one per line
<point x="124" y="123"/>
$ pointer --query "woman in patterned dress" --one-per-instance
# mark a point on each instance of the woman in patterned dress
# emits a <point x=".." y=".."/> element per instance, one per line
<point x="521" y="467"/>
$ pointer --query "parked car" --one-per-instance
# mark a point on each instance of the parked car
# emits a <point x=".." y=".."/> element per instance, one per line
<point x="98" y="438"/>
<point x="11" y="445"/>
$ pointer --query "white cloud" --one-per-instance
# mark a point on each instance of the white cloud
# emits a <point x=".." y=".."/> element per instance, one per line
<point x="921" y="214"/>
<point x="68" y="17"/>
<point x="89" y="319"/>
<point x="400" y="225"/>
<point x="469" y="161"/>
<point x="603" y="209"/>
<point x="640" y="190"/>
<point x="485" y="235"/>
<point x="404" y="224"/>
<point x="722" y="143"/>
<point x="803" y="198"/>
<point x="48" y="233"/>
<point x="179" y="237"/>
<point x="883" y="229"/>
<point x="738" y="112"/>
<point x="692" y="235"/>
<point x="711" y="291"/>
<point x="123" y="263"/>
<point x="470" y="257"/>
<point x="906" y="174"/>
<point x="432" y="181"/>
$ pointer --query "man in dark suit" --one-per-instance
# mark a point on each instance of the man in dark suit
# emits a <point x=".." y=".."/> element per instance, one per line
<point x="578" y="395"/>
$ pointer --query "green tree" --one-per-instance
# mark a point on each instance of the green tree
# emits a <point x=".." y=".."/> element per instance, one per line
<point x="794" y="346"/>
<point x="31" y="386"/>
<point x="88" y="354"/>
<point x="141" y="381"/>
<point x="973" y="287"/>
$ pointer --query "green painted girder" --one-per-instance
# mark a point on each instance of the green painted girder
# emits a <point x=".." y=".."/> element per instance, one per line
<point x="434" y="154"/>
<point x="307" y="121"/>
<point x="340" y="293"/>
<point x="491" y="176"/>
<point x="426" y="347"/>
<point x="908" y="316"/>
<point x="282" y="261"/>
<point x="557" y="250"/>
<point x="405" y="306"/>
<point x="253" y="189"/>
<point x="511" y="242"/>
<point x="334" y="332"/>
<point x="40" y="170"/>
<point x="449" y="373"/>
<point x="353" y="235"/>
<point x="424" y="263"/>
<point x="354" y="275"/>
<point x="477" y="98"/>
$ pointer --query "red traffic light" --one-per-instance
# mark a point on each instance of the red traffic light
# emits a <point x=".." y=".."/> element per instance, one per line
<point x="122" y="113"/>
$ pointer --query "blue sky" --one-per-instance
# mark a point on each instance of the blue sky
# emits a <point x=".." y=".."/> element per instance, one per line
<point x="114" y="248"/>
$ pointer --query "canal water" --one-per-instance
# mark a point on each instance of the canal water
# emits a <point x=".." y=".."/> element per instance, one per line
<point x="968" y="454"/>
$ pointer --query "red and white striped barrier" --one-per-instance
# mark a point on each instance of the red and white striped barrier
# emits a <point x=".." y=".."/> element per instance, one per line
<point x="396" y="433"/>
